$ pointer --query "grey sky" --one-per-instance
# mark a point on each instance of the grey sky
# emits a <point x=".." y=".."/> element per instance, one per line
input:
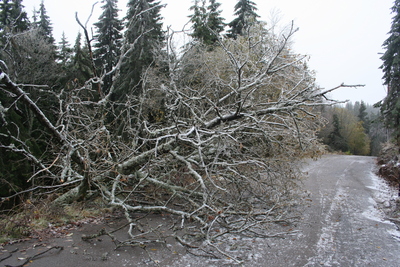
<point x="342" y="37"/>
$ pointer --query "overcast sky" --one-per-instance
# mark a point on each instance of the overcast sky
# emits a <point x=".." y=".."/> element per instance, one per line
<point x="342" y="37"/>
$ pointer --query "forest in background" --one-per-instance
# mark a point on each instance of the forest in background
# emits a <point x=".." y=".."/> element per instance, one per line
<point x="212" y="132"/>
<point x="355" y="129"/>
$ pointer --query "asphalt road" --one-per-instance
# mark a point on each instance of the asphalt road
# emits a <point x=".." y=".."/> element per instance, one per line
<point x="342" y="225"/>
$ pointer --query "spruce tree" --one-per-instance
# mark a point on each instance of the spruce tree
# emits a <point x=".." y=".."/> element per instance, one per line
<point x="5" y="14"/>
<point x="198" y="20"/>
<point x="109" y="39"/>
<point x="390" y="106"/>
<point x="12" y="17"/>
<point x="65" y="57"/>
<point x="44" y="24"/>
<point x="81" y="62"/>
<point x="245" y="12"/>
<point x="207" y="22"/>
<point x="335" y="138"/>
<point x="144" y="29"/>
<point x="215" y="22"/>
<point x="19" y="16"/>
<point x="363" y="116"/>
<point x="65" y="51"/>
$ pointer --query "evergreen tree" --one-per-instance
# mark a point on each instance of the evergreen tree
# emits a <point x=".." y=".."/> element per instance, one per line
<point x="390" y="106"/>
<point x="35" y="16"/>
<point x="81" y="63"/>
<point x="144" y="29"/>
<point x="377" y="133"/>
<point x="363" y="116"/>
<point x="215" y="22"/>
<point x="65" y="59"/>
<point x="207" y="22"/>
<point x="109" y="39"/>
<point x="19" y="16"/>
<point x="245" y="12"/>
<point x="5" y="14"/>
<point x="12" y="17"/>
<point x="198" y="19"/>
<point x="336" y="140"/>
<point x="44" y="24"/>
<point x="65" y="51"/>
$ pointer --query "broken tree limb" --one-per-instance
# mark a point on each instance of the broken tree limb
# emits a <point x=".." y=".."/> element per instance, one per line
<point x="12" y="87"/>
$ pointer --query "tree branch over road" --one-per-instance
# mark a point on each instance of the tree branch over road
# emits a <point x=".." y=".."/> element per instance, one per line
<point x="215" y="142"/>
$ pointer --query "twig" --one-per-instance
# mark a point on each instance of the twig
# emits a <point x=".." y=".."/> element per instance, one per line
<point x="88" y="42"/>
<point x="39" y="187"/>
<point x="29" y="259"/>
<point x="11" y="252"/>
<point x="45" y="169"/>
<point x="184" y="242"/>
<point x="208" y="254"/>
<point x="137" y="243"/>
<point x="224" y="253"/>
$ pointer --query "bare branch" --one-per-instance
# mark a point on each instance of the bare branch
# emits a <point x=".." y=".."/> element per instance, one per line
<point x="12" y="87"/>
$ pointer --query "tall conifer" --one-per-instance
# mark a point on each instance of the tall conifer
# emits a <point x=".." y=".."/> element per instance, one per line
<point x="65" y="51"/>
<point x="198" y="19"/>
<point x="215" y="21"/>
<point x="12" y="16"/>
<point x="44" y="24"/>
<point x="81" y="62"/>
<point x="207" y="21"/>
<point x="144" y="29"/>
<point x="109" y="39"/>
<point x="245" y="12"/>
<point x="390" y="107"/>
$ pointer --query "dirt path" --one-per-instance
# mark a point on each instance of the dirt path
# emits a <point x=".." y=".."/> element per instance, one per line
<point x="342" y="225"/>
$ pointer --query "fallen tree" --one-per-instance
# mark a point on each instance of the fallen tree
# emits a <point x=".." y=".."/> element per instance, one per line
<point x="216" y="141"/>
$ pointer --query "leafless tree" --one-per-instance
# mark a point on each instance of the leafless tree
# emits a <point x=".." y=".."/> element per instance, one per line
<point x="215" y="142"/>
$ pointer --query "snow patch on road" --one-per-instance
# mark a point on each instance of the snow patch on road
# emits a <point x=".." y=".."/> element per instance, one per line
<point x="382" y="202"/>
<point x="382" y="191"/>
<point x="395" y="234"/>
<point x="382" y="187"/>
<point x="382" y="196"/>
<point x="374" y="214"/>
<point x="326" y="248"/>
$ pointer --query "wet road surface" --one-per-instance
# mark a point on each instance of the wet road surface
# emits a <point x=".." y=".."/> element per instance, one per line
<point x="343" y="225"/>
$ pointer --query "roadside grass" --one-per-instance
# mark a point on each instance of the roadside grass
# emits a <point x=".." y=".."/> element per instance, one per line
<point x="32" y="218"/>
